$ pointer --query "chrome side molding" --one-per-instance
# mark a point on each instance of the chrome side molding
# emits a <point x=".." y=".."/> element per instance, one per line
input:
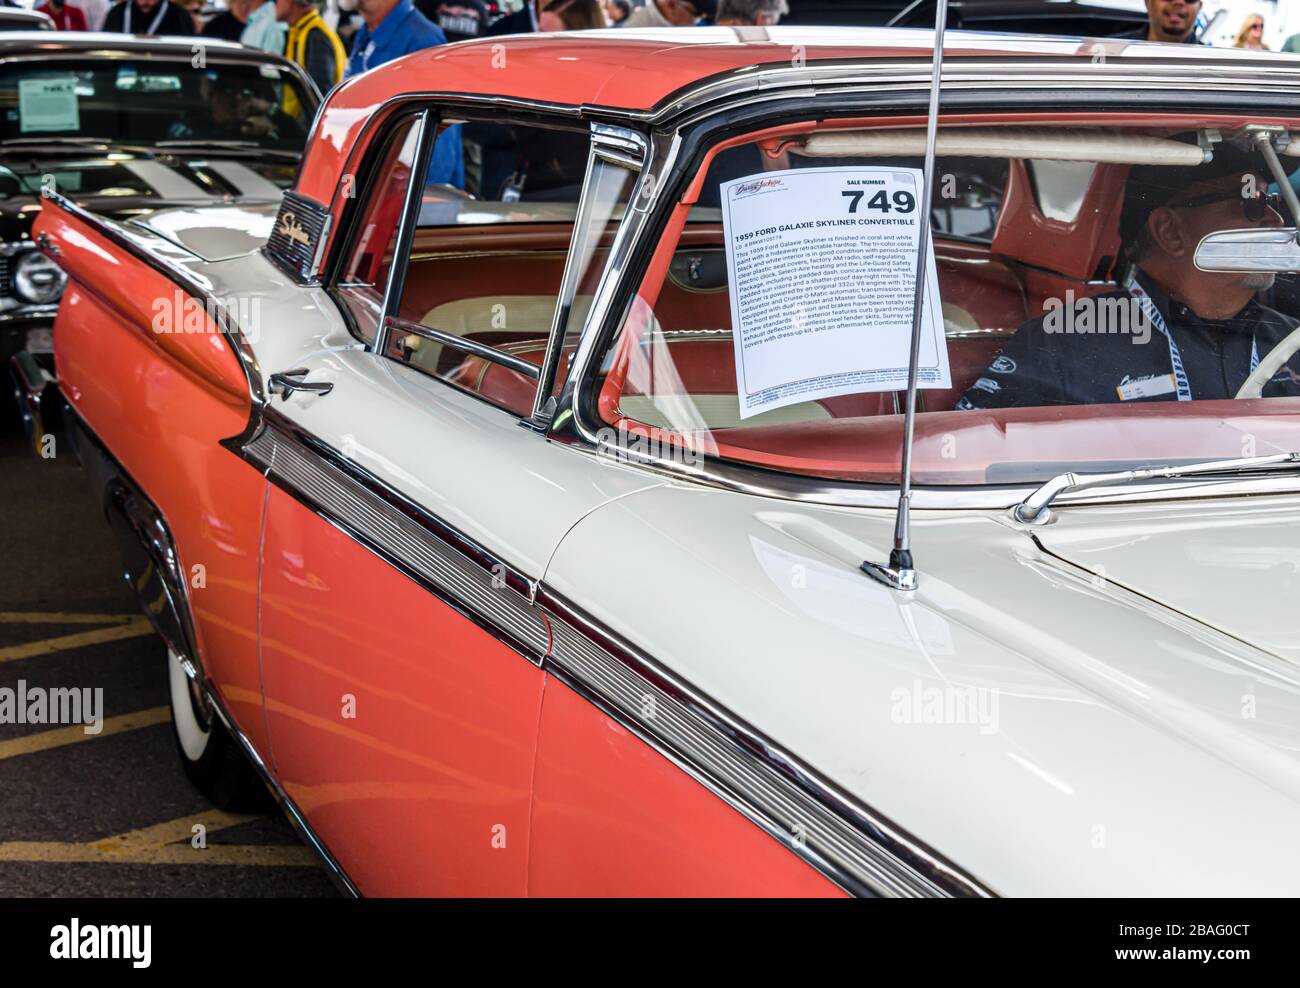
<point x="852" y="845"/>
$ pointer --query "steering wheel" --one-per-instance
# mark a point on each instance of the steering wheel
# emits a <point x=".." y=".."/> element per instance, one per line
<point x="1261" y="375"/>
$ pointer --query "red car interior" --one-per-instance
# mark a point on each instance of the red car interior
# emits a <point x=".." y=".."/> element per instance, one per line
<point x="987" y="290"/>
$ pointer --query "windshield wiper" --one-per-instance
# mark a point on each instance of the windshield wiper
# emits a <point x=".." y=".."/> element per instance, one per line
<point x="71" y="141"/>
<point x="208" y="143"/>
<point x="218" y="144"/>
<point x="1035" y="509"/>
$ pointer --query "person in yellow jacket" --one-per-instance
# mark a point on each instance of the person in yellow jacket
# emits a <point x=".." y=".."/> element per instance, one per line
<point x="312" y="45"/>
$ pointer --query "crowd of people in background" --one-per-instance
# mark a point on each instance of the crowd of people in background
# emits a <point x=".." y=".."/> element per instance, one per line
<point x="372" y="32"/>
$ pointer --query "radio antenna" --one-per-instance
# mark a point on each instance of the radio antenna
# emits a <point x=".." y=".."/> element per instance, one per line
<point x="900" y="573"/>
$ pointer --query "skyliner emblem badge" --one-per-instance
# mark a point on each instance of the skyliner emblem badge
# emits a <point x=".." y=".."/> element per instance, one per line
<point x="292" y="230"/>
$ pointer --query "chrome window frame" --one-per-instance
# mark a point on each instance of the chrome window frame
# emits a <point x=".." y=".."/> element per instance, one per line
<point x="620" y="147"/>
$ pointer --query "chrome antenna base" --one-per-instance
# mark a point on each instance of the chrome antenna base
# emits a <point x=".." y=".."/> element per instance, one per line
<point x="898" y="575"/>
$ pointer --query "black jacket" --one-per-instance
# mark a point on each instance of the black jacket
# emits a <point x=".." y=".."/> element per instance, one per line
<point x="176" y="20"/>
<point x="1066" y="359"/>
<point x="460" y="20"/>
<point x="225" y="25"/>
<point x="520" y="22"/>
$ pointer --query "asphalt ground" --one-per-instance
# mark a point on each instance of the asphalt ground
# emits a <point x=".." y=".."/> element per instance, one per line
<point x="109" y="814"/>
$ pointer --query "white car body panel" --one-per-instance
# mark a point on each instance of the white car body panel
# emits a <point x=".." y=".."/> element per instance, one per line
<point x="216" y="233"/>
<point x="1121" y="762"/>
<point x="1233" y="565"/>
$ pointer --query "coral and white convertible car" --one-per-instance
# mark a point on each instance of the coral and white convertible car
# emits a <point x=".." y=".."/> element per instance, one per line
<point x="522" y="496"/>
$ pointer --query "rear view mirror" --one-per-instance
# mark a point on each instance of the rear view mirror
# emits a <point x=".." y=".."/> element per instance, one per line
<point x="1274" y="249"/>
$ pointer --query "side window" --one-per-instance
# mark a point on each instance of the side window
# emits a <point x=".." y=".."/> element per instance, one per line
<point x="364" y="275"/>
<point x="505" y="254"/>
<point x="489" y="276"/>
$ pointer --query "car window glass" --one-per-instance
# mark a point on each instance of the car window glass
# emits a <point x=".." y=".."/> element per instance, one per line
<point x="1046" y="277"/>
<point x="364" y="273"/>
<point x="488" y="255"/>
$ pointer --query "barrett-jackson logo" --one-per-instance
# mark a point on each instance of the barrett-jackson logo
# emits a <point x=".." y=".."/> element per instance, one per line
<point x="753" y="188"/>
<point x="292" y="230"/>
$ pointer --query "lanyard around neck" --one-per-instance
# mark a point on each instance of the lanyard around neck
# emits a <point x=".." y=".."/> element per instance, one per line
<point x="126" y="18"/>
<point x="1181" y="382"/>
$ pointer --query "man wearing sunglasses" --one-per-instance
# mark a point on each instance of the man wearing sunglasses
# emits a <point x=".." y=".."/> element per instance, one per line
<point x="1174" y="332"/>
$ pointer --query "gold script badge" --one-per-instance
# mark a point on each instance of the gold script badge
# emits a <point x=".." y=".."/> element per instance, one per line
<point x="292" y="229"/>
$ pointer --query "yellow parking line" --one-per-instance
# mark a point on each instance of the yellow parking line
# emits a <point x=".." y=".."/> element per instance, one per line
<point x="168" y="832"/>
<point x="136" y="627"/>
<point x="44" y="740"/>
<point x="61" y="617"/>
<point x="157" y="844"/>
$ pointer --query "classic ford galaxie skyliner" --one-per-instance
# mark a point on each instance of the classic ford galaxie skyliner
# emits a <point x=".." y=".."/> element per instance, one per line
<point x="123" y="125"/>
<point x="523" y="499"/>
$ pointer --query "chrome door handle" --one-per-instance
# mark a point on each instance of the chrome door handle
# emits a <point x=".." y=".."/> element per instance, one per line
<point x="287" y="382"/>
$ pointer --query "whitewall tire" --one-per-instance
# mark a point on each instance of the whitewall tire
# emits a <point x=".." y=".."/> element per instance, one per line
<point x="211" y="757"/>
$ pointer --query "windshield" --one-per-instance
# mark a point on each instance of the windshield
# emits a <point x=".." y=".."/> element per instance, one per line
<point x="1070" y="330"/>
<point x="129" y="101"/>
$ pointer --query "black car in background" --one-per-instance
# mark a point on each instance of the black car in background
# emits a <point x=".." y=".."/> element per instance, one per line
<point x="1059" y="17"/>
<point x="125" y="126"/>
<point x="22" y="19"/>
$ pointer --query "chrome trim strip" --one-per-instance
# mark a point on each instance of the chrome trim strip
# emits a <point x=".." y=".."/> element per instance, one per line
<point x="478" y="585"/>
<point x="151" y="564"/>
<point x="822" y="78"/>
<point x="539" y="418"/>
<point x="466" y="346"/>
<point x="855" y="847"/>
<point x="296" y="819"/>
<point x="31" y="313"/>
<point x="618" y="148"/>
<point x="852" y="845"/>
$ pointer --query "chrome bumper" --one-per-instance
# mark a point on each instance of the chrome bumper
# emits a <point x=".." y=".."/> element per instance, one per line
<point x="37" y="396"/>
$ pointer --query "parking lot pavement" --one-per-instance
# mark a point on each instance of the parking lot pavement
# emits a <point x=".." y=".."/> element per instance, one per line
<point x="112" y="813"/>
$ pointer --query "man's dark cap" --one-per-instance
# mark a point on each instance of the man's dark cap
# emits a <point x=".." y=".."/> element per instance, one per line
<point x="705" y="8"/>
<point x="1151" y="186"/>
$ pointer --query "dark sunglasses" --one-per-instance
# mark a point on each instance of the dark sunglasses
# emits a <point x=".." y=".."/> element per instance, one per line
<point x="1254" y="209"/>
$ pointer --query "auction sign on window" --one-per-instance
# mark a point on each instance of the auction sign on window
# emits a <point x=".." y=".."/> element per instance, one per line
<point x="822" y="268"/>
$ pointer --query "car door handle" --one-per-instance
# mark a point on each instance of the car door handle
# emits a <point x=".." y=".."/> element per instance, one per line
<point x="287" y="382"/>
